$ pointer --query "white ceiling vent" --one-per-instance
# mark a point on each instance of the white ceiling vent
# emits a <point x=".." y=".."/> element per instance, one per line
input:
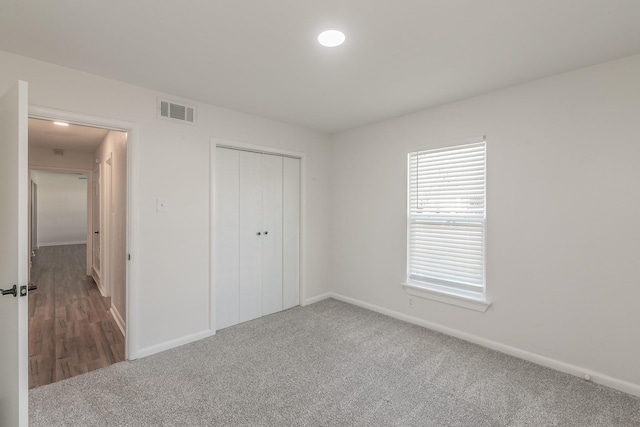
<point x="172" y="110"/>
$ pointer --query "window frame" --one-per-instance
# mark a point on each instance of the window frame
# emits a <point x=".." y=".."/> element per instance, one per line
<point x="449" y="292"/>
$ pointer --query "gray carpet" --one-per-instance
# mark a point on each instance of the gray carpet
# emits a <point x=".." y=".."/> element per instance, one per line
<point x="329" y="364"/>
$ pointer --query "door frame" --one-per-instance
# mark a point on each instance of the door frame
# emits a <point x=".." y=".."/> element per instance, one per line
<point x="92" y="226"/>
<point x="33" y="217"/>
<point x="216" y="142"/>
<point x="131" y="347"/>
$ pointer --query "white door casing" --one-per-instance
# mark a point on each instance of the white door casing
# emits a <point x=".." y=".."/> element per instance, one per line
<point x="14" y="256"/>
<point x="106" y="232"/>
<point x="227" y="227"/>
<point x="291" y="234"/>
<point x="96" y="224"/>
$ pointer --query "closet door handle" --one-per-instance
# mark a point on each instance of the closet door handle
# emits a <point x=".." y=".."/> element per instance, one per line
<point x="13" y="291"/>
<point x="258" y="233"/>
<point x="266" y="232"/>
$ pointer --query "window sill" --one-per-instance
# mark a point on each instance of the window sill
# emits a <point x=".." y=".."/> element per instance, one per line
<point x="471" y="302"/>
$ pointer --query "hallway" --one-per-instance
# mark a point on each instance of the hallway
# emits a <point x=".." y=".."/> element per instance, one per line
<point x="71" y="330"/>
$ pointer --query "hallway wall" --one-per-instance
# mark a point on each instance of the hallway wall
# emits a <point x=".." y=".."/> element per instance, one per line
<point x="62" y="209"/>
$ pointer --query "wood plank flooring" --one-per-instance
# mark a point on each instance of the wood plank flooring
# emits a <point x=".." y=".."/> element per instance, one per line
<point x="71" y="330"/>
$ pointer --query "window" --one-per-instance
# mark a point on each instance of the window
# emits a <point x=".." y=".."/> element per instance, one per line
<point x="446" y="220"/>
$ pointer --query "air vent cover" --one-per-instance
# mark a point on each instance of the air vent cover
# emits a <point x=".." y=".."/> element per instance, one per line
<point x="172" y="110"/>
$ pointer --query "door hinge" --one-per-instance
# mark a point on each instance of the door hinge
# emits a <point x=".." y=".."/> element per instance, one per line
<point x="128" y="257"/>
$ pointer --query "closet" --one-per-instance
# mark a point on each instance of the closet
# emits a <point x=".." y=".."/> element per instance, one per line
<point x="257" y="235"/>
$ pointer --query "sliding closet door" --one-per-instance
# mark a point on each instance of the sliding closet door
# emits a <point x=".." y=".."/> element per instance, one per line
<point x="227" y="231"/>
<point x="291" y="232"/>
<point x="271" y="234"/>
<point x="251" y="229"/>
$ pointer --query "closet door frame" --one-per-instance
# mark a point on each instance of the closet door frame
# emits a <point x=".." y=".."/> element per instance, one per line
<point x="237" y="145"/>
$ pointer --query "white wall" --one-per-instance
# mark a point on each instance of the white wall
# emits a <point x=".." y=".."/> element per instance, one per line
<point x="62" y="209"/>
<point x="172" y="161"/>
<point x="114" y="146"/>
<point x="563" y="259"/>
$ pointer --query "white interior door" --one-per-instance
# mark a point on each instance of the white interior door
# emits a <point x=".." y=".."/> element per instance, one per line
<point x="250" y="216"/>
<point x="227" y="244"/>
<point x="271" y="234"/>
<point x="14" y="256"/>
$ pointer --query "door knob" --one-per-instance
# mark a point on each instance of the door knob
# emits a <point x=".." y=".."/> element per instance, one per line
<point x="13" y="291"/>
<point x="258" y="233"/>
<point x="266" y="232"/>
<point x="32" y="287"/>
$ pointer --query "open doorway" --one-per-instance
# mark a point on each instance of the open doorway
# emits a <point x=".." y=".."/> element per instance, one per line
<point x="77" y="316"/>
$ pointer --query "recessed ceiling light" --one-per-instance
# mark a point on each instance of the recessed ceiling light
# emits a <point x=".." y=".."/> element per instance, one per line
<point x="61" y="124"/>
<point x="331" y="38"/>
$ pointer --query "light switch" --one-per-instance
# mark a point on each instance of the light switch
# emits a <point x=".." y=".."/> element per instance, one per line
<point x="161" y="204"/>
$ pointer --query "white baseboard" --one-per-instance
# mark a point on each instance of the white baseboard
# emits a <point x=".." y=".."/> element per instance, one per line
<point x="118" y="318"/>
<point x="319" y="298"/>
<point x="148" y="351"/>
<point x="96" y="279"/>
<point x="596" y="377"/>
<point x="79" y="242"/>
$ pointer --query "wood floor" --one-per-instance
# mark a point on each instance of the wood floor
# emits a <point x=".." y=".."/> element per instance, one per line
<point x="71" y="330"/>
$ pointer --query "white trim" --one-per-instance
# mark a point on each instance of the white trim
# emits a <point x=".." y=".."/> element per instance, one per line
<point x="78" y="242"/>
<point x="98" y="281"/>
<point x="46" y="113"/>
<point x="132" y="291"/>
<point x="596" y="377"/>
<point x="118" y="318"/>
<point x="454" y="297"/>
<point x="239" y="145"/>
<point x="221" y="142"/>
<point x="319" y="298"/>
<point x="148" y="351"/>
<point x="212" y="236"/>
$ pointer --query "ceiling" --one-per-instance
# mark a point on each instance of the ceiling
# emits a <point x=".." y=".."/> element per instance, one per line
<point x="44" y="134"/>
<point x="261" y="57"/>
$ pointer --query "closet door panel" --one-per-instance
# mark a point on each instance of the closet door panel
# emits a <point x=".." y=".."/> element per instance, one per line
<point x="227" y="227"/>
<point x="272" y="234"/>
<point x="291" y="233"/>
<point x="250" y="217"/>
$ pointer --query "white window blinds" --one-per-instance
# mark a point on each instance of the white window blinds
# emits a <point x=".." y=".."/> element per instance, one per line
<point x="447" y="216"/>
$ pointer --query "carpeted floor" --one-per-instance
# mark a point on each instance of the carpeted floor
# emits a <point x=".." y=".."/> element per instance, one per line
<point x="329" y="364"/>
